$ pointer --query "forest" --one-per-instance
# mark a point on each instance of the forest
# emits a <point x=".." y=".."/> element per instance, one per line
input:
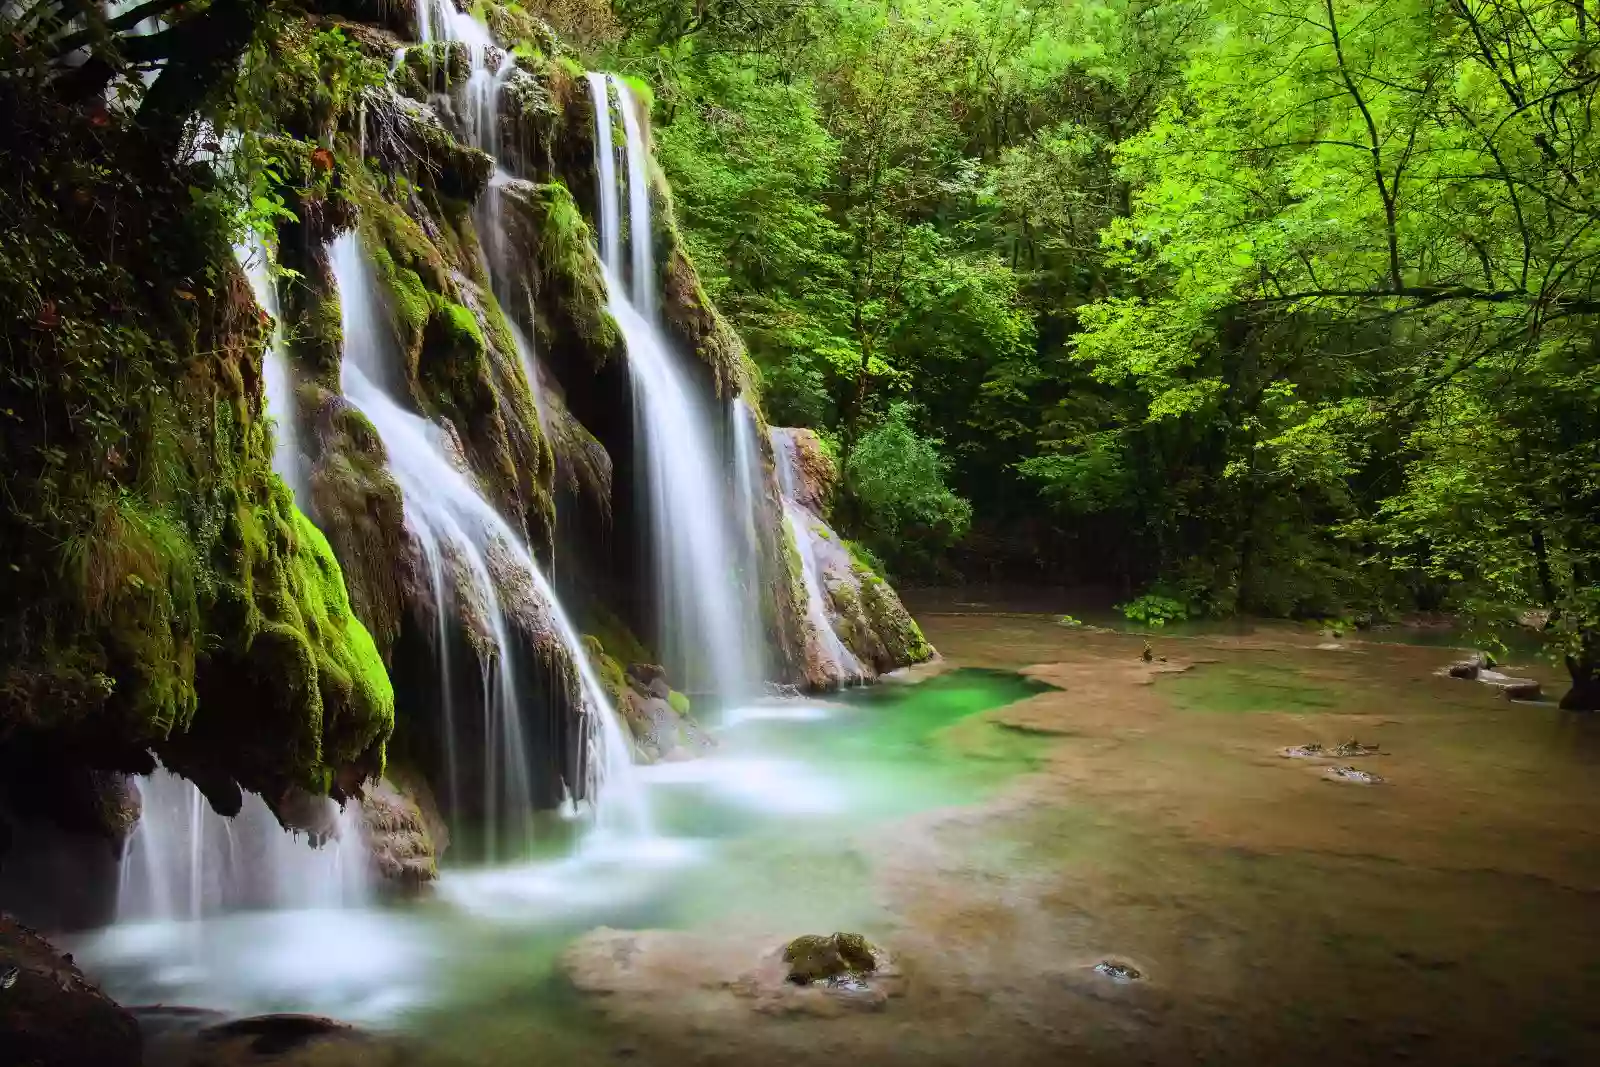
<point x="1250" y="307"/>
<point x="541" y="532"/>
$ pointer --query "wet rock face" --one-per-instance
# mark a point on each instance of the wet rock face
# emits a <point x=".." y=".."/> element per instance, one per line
<point x="405" y="835"/>
<point x="660" y="731"/>
<point x="814" y="471"/>
<point x="51" y="1015"/>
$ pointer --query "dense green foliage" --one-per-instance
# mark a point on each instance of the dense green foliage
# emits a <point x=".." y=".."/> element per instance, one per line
<point x="1286" y="309"/>
<point x="163" y="593"/>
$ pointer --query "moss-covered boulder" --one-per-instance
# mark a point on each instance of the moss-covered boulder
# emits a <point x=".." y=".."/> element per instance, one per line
<point x="818" y="958"/>
<point x="162" y="592"/>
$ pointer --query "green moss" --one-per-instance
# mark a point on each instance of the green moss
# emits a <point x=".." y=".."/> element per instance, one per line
<point x="680" y="703"/>
<point x="642" y="92"/>
<point x="612" y="676"/>
<point x="569" y="258"/>
<point x="901" y="637"/>
<point x="353" y="685"/>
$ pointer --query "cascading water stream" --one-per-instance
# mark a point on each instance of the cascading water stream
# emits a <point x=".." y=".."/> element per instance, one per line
<point x="185" y="862"/>
<point x="453" y="522"/>
<point x="748" y="497"/>
<point x="287" y="459"/>
<point x="698" y="594"/>
<point x="842" y="663"/>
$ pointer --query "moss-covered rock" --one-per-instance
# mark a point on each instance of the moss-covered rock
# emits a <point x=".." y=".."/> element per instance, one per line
<point x="818" y="958"/>
<point x="561" y="298"/>
<point x="897" y="631"/>
<point x="162" y="592"/>
<point x="405" y="834"/>
<point x="359" y="507"/>
<point x="689" y="315"/>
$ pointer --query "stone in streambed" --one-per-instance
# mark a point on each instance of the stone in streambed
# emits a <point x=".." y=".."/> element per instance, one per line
<point x="817" y="958"/>
<point x="286" y="1040"/>
<point x="1351" y="774"/>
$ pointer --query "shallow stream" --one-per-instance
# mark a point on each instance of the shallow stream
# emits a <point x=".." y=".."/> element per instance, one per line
<point x="762" y="831"/>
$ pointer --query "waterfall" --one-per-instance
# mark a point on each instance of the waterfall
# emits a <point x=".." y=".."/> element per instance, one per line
<point x="748" y="500"/>
<point x="287" y="459"/>
<point x="827" y="648"/>
<point x="186" y="862"/>
<point x="701" y="630"/>
<point x="454" y="524"/>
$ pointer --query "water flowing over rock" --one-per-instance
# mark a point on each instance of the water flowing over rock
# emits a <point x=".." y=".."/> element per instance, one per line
<point x="184" y="861"/>
<point x="497" y="390"/>
<point x="857" y="627"/>
<point x="690" y="509"/>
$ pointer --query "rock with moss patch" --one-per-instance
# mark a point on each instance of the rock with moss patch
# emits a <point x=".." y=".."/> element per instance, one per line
<point x="819" y="958"/>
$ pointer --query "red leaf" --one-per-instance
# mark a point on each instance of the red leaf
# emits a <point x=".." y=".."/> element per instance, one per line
<point x="322" y="159"/>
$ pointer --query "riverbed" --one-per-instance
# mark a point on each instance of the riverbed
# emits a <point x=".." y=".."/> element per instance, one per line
<point x="1045" y="801"/>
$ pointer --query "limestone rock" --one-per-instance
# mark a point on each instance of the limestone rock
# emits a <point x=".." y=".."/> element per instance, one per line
<point x="405" y="834"/>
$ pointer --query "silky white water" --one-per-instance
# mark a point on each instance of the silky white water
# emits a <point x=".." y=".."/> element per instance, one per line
<point x="185" y="862"/>
<point x="453" y="521"/>
<point x="701" y="632"/>
<point x="749" y="507"/>
<point x="843" y="666"/>
<point x="278" y="380"/>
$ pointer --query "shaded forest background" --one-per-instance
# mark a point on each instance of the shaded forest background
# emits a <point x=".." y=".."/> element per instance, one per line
<point x="1238" y="306"/>
<point x="1283" y="307"/>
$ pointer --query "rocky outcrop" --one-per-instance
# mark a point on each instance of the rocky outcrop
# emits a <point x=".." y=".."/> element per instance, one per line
<point x="51" y="1015"/>
<point x="404" y="832"/>
<point x="659" y="718"/>
<point x="856" y="627"/>
<point x="162" y="592"/>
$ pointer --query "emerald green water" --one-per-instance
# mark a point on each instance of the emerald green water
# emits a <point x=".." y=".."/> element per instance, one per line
<point x="772" y="831"/>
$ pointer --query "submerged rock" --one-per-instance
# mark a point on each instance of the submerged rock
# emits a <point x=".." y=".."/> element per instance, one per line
<point x="1118" y="971"/>
<point x="51" y="1015"/>
<point x="193" y="1038"/>
<point x="1351" y="774"/>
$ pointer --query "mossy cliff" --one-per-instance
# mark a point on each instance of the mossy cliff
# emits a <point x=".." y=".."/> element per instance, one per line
<point x="161" y="593"/>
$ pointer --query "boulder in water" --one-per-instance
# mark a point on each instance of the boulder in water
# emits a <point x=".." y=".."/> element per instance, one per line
<point x="642" y="675"/>
<point x="1463" y="669"/>
<point x="1351" y="774"/>
<point x="286" y="1040"/>
<point x="817" y="958"/>
<point x="51" y="1015"/>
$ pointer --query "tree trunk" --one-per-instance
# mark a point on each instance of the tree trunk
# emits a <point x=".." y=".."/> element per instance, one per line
<point x="1585" y="671"/>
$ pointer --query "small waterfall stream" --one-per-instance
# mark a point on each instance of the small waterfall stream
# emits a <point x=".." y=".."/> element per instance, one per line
<point x="748" y="482"/>
<point x="278" y="379"/>
<point x="829" y="649"/>
<point x="186" y="862"/>
<point x="455" y="525"/>
<point x="704" y="633"/>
